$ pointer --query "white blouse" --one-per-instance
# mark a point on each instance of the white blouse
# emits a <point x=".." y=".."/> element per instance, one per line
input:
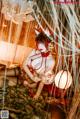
<point x="43" y="65"/>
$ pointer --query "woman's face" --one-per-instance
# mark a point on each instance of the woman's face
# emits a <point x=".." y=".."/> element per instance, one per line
<point x="41" y="47"/>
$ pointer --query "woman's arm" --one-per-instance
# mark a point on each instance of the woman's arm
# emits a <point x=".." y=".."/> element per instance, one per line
<point x="26" y="69"/>
<point x="31" y="85"/>
<point x="34" y="78"/>
<point x="27" y="62"/>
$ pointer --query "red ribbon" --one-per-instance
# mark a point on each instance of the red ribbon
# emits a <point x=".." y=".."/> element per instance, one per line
<point x="45" y="54"/>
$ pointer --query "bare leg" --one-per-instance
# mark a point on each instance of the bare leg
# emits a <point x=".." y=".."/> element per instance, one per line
<point x="31" y="85"/>
<point x="39" y="90"/>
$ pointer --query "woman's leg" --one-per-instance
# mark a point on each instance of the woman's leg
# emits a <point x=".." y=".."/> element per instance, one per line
<point x="39" y="90"/>
<point x="31" y="85"/>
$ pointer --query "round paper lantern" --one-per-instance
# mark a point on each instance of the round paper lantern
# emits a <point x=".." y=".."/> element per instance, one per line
<point x="63" y="79"/>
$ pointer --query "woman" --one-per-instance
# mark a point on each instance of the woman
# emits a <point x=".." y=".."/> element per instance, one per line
<point x="40" y="63"/>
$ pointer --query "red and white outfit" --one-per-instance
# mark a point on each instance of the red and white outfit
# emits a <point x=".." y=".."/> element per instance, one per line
<point x="41" y="62"/>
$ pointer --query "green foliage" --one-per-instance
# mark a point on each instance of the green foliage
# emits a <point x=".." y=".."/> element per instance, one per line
<point x="22" y="106"/>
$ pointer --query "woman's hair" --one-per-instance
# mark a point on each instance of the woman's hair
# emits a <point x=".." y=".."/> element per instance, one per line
<point x="42" y="38"/>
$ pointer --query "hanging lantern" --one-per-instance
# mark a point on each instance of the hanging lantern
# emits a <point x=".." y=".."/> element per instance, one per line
<point x="63" y="79"/>
<point x="16" y="35"/>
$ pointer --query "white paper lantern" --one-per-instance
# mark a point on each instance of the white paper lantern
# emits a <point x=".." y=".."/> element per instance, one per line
<point x="63" y="79"/>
